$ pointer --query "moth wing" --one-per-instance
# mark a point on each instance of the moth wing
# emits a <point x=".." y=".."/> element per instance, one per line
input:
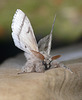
<point x="22" y="32"/>
<point x="45" y="44"/>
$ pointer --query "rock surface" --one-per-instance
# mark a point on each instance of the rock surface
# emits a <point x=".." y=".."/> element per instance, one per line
<point x="53" y="84"/>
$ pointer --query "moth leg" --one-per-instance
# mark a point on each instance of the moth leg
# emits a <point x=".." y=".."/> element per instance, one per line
<point x="21" y="72"/>
<point x="62" y="65"/>
<point x="55" y="64"/>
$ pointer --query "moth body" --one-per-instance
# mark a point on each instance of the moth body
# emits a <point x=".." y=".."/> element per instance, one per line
<point x="37" y="55"/>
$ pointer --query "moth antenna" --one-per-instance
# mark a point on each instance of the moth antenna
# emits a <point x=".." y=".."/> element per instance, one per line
<point x="55" y="57"/>
<point x="50" y="37"/>
<point x="38" y="55"/>
<point x="53" y="25"/>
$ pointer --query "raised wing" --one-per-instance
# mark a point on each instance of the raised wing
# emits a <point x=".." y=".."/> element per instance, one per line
<point x="22" y="32"/>
<point x="44" y="44"/>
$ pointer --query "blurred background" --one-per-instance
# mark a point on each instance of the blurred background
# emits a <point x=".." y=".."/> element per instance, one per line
<point x="67" y="29"/>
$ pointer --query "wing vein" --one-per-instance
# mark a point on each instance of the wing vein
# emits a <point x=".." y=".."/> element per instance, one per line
<point x="21" y="28"/>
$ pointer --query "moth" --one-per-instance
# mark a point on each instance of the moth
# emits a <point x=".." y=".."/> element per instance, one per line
<point x="37" y="55"/>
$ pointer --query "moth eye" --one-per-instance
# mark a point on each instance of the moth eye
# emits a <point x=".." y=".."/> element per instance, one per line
<point x="44" y="62"/>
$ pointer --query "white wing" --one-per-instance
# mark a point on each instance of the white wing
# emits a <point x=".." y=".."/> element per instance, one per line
<point x="22" y="32"/>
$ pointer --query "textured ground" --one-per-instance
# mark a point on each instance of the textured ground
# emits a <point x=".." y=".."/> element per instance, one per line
<point x="54" y="84"/>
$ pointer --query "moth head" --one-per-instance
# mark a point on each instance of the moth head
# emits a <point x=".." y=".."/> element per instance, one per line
<point x="47" y="61"/>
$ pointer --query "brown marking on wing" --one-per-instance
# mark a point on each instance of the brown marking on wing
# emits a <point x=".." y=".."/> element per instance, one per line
<point x="28" y="30"/>
<point x="38" y="54"/>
